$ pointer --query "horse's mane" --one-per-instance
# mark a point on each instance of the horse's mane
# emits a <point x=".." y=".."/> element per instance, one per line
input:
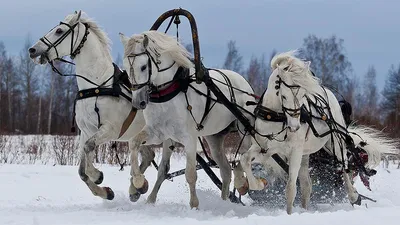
<point x="94" y="28"/>
<point x="160" y="43"/>
<point x="298" y="69"/>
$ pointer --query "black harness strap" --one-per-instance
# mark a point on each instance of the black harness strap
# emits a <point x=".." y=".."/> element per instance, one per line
<point x="207" y="109"/>
<point x="181" y="79"/>
<point x="120" y="79"/>
<point x="228" y="84"/>
<point x="267" y="114"/>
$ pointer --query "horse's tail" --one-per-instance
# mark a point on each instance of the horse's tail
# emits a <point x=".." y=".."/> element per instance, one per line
<point x="374" y="143"/>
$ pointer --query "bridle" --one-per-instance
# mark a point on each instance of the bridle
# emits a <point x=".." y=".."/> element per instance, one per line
<point x="71" y="30"/>
<point x="271" y="115"/>
<point x="290" y="111"/>
<point x="131" y="59"/>
<point x="73" y="53"/>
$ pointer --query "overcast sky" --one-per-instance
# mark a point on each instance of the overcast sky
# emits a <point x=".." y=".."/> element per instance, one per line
<point x="370" y="28"/>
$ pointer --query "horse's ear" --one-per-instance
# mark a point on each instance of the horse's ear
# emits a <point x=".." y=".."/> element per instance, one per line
<point x="79" y="15"/>
<point x="145" y="41"/>
<point x="124" y="39"/>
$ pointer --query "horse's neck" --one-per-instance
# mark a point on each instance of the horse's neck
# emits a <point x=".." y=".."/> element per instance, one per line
<point x="167" y="75"/>
<point x="93" y="62"/>
<point x="272" y="101"/>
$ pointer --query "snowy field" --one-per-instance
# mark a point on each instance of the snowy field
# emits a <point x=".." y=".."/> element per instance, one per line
<point x="46" y="194"/>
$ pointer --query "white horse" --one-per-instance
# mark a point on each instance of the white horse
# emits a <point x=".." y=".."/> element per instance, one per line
<point x="116" y="119"/>
<point x="161" y="65"/>
<point x="290" y="87"/>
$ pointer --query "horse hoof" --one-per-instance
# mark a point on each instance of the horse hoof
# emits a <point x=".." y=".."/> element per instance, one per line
<point x="134" y="197"/>
<point x="243" y="189"/>
<point x="264" y="181"/>
<point x="144" y="188"/>
<point x="100" y="179"/>
<point x="110" y="193"/>
<point x="357" y="202"/>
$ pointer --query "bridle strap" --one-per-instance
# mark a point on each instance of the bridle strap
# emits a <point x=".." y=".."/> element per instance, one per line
<point x="149" y="65"/>
<point x="292" y="112"/>
<point x="73" y="53"/>
<point x="80" y="46"/>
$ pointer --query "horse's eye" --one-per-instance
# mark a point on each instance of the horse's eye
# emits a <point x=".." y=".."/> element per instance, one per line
<point x="284" y="97"/>
<point x="143" y="68"/>
<point x="59" y="31"/>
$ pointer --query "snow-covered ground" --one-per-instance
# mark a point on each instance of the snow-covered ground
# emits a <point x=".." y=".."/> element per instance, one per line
<point x="45" y="194"/>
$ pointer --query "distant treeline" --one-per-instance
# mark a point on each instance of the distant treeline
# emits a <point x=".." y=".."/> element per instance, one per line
<point x="35" y="100"/>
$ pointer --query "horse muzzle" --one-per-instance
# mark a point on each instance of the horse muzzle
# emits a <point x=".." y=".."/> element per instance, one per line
<point x="38" y="57"/>
<point x="294" y="128"/>
<point x="141" y="98"/>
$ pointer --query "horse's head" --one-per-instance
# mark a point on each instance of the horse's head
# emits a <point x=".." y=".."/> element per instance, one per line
<point x="151" y="53"/>
<point x="137" y="58"/>
<point x="292" y="80"/>
<point x="62" y="40"/>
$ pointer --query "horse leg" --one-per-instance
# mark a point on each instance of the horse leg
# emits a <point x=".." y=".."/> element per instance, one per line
<point x="138" y="183"/>
<point x="215" y="142"/>
<point x="190" y="173"/>
<point x="245" y="161"/>
<point x="239" y="179"/>
<point x="353" y="195"/>
<point x="305" y="181"/>
<point x="94" y="174"/>
<point x="294" y="167"/>
<point x="147" y="156"/>
<point x="102" y="135"/>
<point x="163" y="169"/>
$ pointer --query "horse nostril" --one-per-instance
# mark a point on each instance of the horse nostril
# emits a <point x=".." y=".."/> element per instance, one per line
<point x="32" y="50"/>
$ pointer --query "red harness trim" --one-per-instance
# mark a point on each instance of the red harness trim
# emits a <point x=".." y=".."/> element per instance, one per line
<point x="255" y="96"/>
<point x="170" y="89"/>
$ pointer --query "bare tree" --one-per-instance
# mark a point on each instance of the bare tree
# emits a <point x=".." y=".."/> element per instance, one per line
<point x="254" y="75"/>
<point x="3" y="59"/>
<point x="50" y="104"/>
<point x="258" y="72"/>
<point x="369" y="100"/>
<point x="390" y="104"/>
<point x="233" y="60"/>
<point x="328" y="61"/>
<point x="9" y="86"/>
<point x="28" y="83"/>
